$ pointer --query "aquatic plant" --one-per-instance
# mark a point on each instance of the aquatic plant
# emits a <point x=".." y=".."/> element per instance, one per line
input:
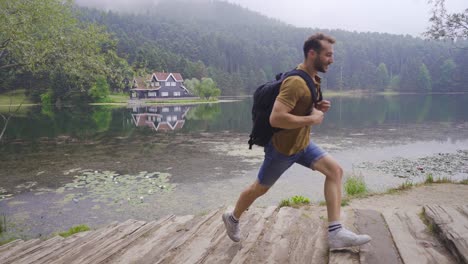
<point x="442" y="164"/>
<point x="110" y="187"/>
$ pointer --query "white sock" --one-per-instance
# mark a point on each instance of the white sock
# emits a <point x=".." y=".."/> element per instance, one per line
<point x="334" y="227"/>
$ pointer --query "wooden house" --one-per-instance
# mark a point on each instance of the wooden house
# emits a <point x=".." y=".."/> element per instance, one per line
<point x="159" y="85"/>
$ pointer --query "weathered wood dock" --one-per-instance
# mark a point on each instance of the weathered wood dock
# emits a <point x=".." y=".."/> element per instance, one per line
<point x="431" y="234"/>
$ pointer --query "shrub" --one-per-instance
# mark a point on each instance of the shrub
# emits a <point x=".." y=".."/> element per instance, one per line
<point x="355" y="186"/>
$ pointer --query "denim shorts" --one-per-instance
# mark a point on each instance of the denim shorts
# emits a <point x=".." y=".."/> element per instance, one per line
<point x="276" y="163"/>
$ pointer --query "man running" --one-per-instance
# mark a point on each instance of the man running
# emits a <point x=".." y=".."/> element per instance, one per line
<point x="292" y="112"/>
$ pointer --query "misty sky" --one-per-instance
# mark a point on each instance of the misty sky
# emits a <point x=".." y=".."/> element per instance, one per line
<point x="389" y="16"/>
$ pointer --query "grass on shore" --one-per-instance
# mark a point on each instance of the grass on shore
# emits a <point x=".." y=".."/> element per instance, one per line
<point x="355" y="187"/>
<point x="11" y="100"/>
<point x="122" y="98"/>
<point x="73" y="230"/>
<point x="15" y="97"/>
<point x="295" y="201"/>
<point x="357" y="93"/>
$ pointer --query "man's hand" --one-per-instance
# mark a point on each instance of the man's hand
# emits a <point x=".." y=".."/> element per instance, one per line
<point x="323" y="105"/>
<point x="316" y="116"/>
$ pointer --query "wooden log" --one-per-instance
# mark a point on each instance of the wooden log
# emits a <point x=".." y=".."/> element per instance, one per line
<point x="451" y="225"/>
<point x="414" y="242"/>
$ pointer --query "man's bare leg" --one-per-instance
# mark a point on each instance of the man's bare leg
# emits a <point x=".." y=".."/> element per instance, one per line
<point x="338" y="236"/>
<point x="332" y="189"/>
<point x="247" y="197"/>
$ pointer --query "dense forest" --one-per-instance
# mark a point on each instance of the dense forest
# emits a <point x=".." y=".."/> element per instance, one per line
<point x="240" y="49"/>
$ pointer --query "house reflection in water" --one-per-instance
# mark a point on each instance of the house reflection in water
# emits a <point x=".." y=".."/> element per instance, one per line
<point x="160" y="118"/>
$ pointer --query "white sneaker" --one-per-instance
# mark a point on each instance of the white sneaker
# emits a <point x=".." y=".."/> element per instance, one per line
<point x="345" y="238"/>
<point x="232" y="229"/>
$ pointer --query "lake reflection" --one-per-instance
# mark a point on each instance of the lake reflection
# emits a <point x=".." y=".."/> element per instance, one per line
<point x="162" y="118"/>
<point x="347" y="114"/>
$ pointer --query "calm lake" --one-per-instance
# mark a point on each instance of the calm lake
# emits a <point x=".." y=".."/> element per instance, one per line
<point x="93" y="165"/>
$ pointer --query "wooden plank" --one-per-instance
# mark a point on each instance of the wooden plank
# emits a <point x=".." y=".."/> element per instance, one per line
<point x="10" y="245"/>
<point x="292" y="236"/>
<point x="253" y="235"/>
<point x="225" y="249"/>
<point x="309" y="239"/>
<point x="31" y="250"/>
<point x="87" y="243"/>
<point x="35" y="257"/>
<point x="78" y="241"/>
<point x="154" y="245"/>
<point x="451" y="224"/>
<point x="90" y="251"/>
<point x="381" y="249"/>
<point x="19" y="248"/>
<point x="414" y="242"/>
<point x="344" y="256"/>
<point x="121" y="244"/>
<point x="133" y="242"/>
<point x="194" y="244"/>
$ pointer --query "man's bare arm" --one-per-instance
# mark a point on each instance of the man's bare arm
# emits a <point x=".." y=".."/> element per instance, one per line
<point x="282" y="118"/>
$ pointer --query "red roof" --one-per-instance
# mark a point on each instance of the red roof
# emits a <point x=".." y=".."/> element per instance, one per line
<point x="163" y="76"/>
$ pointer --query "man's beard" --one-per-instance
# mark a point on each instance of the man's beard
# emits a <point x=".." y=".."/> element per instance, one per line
<point x="319" y="65"/>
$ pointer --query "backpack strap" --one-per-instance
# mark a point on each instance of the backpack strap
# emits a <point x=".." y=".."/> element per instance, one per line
<point x="310" y="83"/>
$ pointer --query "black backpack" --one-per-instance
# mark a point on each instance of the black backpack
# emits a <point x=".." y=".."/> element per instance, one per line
<point x="264" y="98"/>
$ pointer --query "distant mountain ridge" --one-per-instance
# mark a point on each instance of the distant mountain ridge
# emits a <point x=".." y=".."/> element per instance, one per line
<point x="240" y="49"/>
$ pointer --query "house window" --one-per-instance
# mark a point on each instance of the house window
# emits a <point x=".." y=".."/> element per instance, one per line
<point x="165" y="109"/>
<point x="152" y="94"/>
<point x="165" y="94"/>
<point x="157" y="83"/>
<point x="173" y="83"/>
<point x="177" y="109"/>
<point x="176" y="93"/>
<point x="174" y="118"/>
<point x="135" y="109"/>
<point x="159" y="119"/>
<point x="168" y="84"/>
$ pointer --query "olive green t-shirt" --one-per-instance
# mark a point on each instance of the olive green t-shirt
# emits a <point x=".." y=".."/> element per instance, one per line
<point x="295" y="94"/>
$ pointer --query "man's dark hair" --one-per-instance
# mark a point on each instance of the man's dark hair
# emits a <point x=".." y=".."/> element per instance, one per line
<point x="313" y="42"/>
